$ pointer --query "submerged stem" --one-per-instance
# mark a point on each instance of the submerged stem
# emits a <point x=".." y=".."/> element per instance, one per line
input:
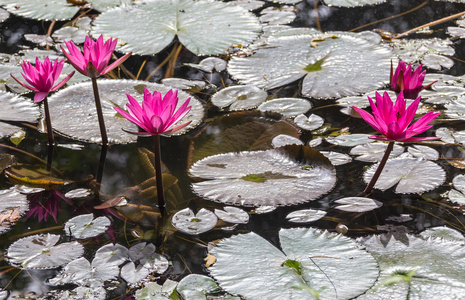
<point x="48" y="122"/>
<point x="98" y="105"/>
<point x="383" y="161"/>
<point x="158" y="176"/>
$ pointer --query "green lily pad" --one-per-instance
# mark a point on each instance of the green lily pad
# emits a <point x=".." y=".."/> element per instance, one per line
<point x="337" y="158"/>
<point x="232" y="214"/>
<point x="350" y="140"/>
<point x="239" y="97"/>
<point x="156" y="23"/>
<point x="327" y="61"/>
<point x="415" y="268"/>
<point x="311" y="122"/>
<point x="85" y="226"/>
<point x="40" y="252"/>
<point x="284" y="139"/>
<point x="457" y="195"/>
<point x="313" y="264"/>
<point x="209" y="64"/>
<point x="374" y="152"/>
<point x="196" y="286"/>
<point x="305" y="215"/>
<point x="410" y="175"/>
<point x="186" y="221"/>
<point x="289" y="107"/>
<point x="302" y="174"/>
<point x="442" y="232"/>
<point x="41" y="10"/>
<point x="357" y="204"/>
<point x="154" y="291"/>
<point x="278" y="15"/>
<point x="423" y="152"/>
<point x="13" y="205"/>
<point x="73" y="112"/>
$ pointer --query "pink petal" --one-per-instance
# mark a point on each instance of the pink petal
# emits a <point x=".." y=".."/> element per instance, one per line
<point x="116" y="63"/>
<point x="39" y="96"/>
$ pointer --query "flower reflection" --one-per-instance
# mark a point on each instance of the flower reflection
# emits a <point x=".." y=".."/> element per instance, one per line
<point x="46" y="203"/>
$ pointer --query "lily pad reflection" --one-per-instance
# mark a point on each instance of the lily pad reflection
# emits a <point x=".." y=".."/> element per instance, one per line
<point x="288" y="175"/>
<point x="73" y="109"/>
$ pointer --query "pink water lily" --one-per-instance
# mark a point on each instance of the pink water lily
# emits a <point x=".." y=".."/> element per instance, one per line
<point x="393" y="120"/>
<point x="407" y="80"/>
<point x="157" y="115"/>
<point x="42" y="77"/>
<point x="97" y="54"/>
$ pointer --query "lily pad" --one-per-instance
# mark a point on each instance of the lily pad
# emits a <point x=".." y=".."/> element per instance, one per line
<point x="311" y="123"/>
<point x="443" y="232"/>
<point x="288" y="175"/>
<point x="410" y="175"/>
<point x="158" y="22"/>
<point x="423" y="152"/>
<point x="357" y="204"/>
<point x="289" y="107"/>
<point x="312" y="264"/>
<point x="374" y="152"/>
<point x="41" y="10"/>
<point x="352" y="3"/>
<point x="278" y="15"/>
<point x="154" y="291"/>
<point x="12" y="206"/>
<point x="350" y="140"/>
<point x="40" y="252"/>
<point x="209" y="64"/>
<point x="85" y="226"/>
<point x="415" y="268"/>
<point x="3" y="15"/>
<point x="327" y="61"/>
<point x="337" y="158"/>
<point x="232" y="214"/>
<point x="184" y="84"/>
<point x="305" y="215"/>
<point x="284" y="139"/>
<point x="73" y="109"/>
<point x="239" y="97"/>
<point x="186" y="221"/>
<point x="196" y="286"/>
<point x="457" y="195"/>
<point x="17" y="108"/>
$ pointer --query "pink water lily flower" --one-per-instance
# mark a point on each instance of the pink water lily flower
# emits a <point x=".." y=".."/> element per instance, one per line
<point x="407" y="80"/>
<point x="42" y="77"/>
<point x="97" y="54"/>
<point x="393" y="120"/>
<point x="157" y="115"/>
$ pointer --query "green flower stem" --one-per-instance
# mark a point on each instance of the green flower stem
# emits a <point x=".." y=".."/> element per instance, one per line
<point x="159" y="176"/>
<point x="98" y="105"/>
<point x="383" y="161"/>
<point x="48" y="122"/>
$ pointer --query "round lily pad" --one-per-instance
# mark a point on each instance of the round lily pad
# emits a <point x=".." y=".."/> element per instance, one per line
<point x="352" y="3"/>
<point x="350" y="140"/>
<point x="374" y="152"/>
<point x="154" y="25"/>
<point x="40" y="251"/>
<point x="410" y="175"/>
<point x="85" y="226"/>
<point x="305" y="215"/>
<point x="357" y="204"/>
<point x="209" y="64"/>
<point x="232" y="214"/>
<point x="284" y="139"/>
<point x="13" y="205"/>
<point x="311" y="123"/>
<point x="239" y="97"/>
<point x="312" y="262"/>
<point x="186" y="221"/>
<point x="288" y="175"/>
<point x="73" y="112"/>
<point x="337" y="158"/>
<point x="40" y="10"/>
<point x="289" y="107"/>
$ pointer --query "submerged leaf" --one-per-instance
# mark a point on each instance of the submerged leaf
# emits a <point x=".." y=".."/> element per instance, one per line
<point x="313" y="262"/>
<point x="288" y="175"/>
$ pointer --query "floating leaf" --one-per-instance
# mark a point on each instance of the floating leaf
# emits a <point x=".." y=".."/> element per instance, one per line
<point x="350" y="140"/>
<point x="312" y="262"/>
<point x="328" y="66"/>
<point x="278" y="15"/>
<point x="103" y="5"/>
<point x="85" y="226"/>
<point x="73" y="109"/>
<point x="443" y="232"/>
<point x="337" y="158"/>
<point x="311" y="123"/>
<point x="40" y="10"/>
<point x="305" y="215"/>
<point x="3" y="16"/>
<point x="410" y="175"/>
<point x="458" y="195"/>
<point x="352" y="3"/>
<point x="249" y="4"/>
<point x="357" y="204"/>
<point x="374" y="152"/>
<point x="17" y="108"/>
<point x="154" y="291"/>
<point x="442" y="94"/>
<point x="78" y="193"/>
<point x="423" y="152"/>
<point x="83" y="273"/>
<point x="76" y="34"/>
<point x="288" y="175"/>
<point x="289" y="107"/>
<point x="114" y="254"/>
<point x="40" y="251"/>
<point x="415" y="268"/>
<point x="232" y="214"/>
<point x="284" y="139"/>
<point x="34" y="176"/>
<point x="196" y="286"/>
<point x="209" y="64"/>
<point x="12" y="206"/>
<point x="226" y="25"/>
<point x="239" y="97"/>
<point x="186" y="221"/>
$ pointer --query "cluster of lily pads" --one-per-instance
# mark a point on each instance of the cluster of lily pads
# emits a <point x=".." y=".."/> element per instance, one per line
<point x="260" y="152"/>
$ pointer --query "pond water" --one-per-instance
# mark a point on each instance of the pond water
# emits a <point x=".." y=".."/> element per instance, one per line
<point x="247" y="266"/>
